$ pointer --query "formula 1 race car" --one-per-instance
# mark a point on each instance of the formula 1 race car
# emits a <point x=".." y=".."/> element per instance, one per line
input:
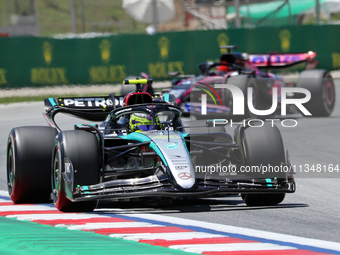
<point x="141" y="150"/>
<point x="242" y="71"/>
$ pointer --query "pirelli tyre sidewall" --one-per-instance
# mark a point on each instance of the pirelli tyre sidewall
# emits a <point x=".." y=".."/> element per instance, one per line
<point x="81" y="148"/>
<point x="29" y="156"/>
<point x="321" y="86"/>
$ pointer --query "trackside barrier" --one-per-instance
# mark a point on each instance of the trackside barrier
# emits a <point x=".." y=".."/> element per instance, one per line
<point x="35" y="61"/>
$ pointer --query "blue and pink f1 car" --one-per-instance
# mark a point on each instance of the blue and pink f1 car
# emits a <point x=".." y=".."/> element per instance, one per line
<point x="252" y="71"/>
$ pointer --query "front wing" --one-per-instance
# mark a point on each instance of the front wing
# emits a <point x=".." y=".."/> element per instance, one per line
<point x="161" y="186"/>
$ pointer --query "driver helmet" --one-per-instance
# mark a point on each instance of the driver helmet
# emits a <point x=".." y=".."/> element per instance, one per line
<point x="142" y="122"/>
<point x="223" y="68"/>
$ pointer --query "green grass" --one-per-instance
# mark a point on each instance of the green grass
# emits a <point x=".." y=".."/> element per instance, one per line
<point x="24" y="237"/>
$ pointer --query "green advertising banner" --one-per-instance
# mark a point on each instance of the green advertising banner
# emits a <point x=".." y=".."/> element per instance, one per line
<point x="33" y="61"/>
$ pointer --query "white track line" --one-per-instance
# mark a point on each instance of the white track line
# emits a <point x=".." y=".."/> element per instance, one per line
<point x="200" y="248"/>
<point x="7" y="208"/>
<point x="166" y="236"/>
<point x="89" y="226"/>
<point x="4" y="193"/>
<point x="57" y="216"/>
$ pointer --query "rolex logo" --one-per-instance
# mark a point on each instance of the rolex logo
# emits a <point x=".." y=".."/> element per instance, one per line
<point x="223" y="40"/>
<point x="104" y="47"/>
<point x="47" y="52"/>
<point x="285" y="36"/>
<point x="163" y="44"/>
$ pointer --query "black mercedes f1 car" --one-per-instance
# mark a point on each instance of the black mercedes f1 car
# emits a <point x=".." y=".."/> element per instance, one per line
<point x="141" y="149"/>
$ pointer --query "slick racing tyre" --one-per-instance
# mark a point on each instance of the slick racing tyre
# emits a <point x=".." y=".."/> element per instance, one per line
<point x="76" y="151"/>
<point x="243" y="82"/>
<point x="321" y="86"/>
<point x="263" y="146"/>
<point x="29" y="157"/>
<point x="263" y="199"/>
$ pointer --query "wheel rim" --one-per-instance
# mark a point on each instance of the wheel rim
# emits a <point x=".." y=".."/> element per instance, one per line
<point x="55" y="174"/>
<point x="10" y="170"/>
<point x="329" y="93"/>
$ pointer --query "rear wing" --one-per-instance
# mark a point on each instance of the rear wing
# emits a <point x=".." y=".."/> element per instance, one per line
<point x="89" y="108"/>
<point x="92" y="108"/>
<point x="102" y="103"/>
<point x="274" y="60"/>
<point x="92" y="104"/>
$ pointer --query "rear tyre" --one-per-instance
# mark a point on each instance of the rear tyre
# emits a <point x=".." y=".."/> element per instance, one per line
<point x="82" y="150"/>
<point x="263" y="146"/>
<point x="321" y="86"/>
<point x="243" y="82"/>
<point x="29" y="157"/>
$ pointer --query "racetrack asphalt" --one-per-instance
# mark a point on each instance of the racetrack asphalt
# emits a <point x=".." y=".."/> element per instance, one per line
<point x="313" y="211"/>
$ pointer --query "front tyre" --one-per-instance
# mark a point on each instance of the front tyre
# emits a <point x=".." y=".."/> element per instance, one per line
<point x="263" y="199"/>
<point x="81" y="149"/>
<point x="263" y="146"/>
<point x="29" y="157"/>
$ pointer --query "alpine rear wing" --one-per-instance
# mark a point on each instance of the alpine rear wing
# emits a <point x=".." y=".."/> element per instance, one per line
<point x="275" y="60"/>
